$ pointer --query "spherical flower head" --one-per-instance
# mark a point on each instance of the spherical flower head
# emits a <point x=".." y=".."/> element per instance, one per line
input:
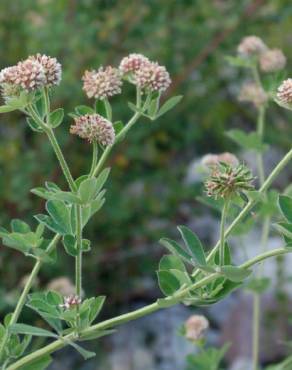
<point x="211" y="160"/>
<point x="94" y="127"/>
<point x="285" y="92"/>
<point x="272" y="60"/>
<point x="30" y="75"/>
<point x="71" y="302"/>
<point x="8" y="75"/>
<point x="62" y="285"/>
<point x="251" y="46"/>
<point x="152" y="77"/>
<point x="252" y="93"/>
<point x="195" y="327"/>
<point x="132" y="63"/>
<point x="227" y="181"/>
<point x="52" y="68"/>
<point x="102" y="84"/>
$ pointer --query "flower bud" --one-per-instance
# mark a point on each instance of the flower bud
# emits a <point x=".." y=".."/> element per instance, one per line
<point x="71" y="302"/>
<point x="252" y="93"/>
<point x="285" y="91"/>
<point x="195" y="327"/>
<point x="132" y="63"/>
<point x="152" y="77"/>
<point x="52" y="68"/>
<point x="250" y="46"/>
<point x="272" y="60"/>
<point x="94" y="127"/>
<point x="102" y="84"/>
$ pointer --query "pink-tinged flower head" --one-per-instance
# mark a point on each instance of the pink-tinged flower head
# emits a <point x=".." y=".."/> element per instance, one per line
<point x="8" y="75"/>
<point x="30" y="75"/>
<point x="272" y="60"/>
<point x="153" y="77"/>
<point x="252" y="93"/>
<point x="285" y="91"/>
<point x="251" y="45"/>
<point x="195" y="327"/>
<point x="132" y="63"/>
<point x="94" y="127"/>
<point x="102" y="84"/>
<point x="52" y="68"/>
<point x="211" y="160"/>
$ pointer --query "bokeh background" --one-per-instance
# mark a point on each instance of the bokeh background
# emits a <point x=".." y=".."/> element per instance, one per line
<point x="153" y="186"/>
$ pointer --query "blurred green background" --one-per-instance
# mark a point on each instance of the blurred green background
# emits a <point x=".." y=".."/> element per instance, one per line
<point x="147" y="193"/>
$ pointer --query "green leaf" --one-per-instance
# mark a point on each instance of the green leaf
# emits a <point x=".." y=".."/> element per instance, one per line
<point x="19" y="226"/>
<point x="227" y="255"/>
<point x="33" y="125"/>
<point x="67" y="196"/>
<point x="83" y="352"/>
<point x="96" y="334"/>
<point x="284" y="228"/>
<point x="54" y="298"/>
<point x="60" y="214"/>
<point x="171" y="262"/>
<point x="285" y="204"/>
<point x="168" y="283"/>
<point x="175" y="248"/>
<point x="118" y="126"/>
<point x="234" y="273"/>
<point x="50" y="224"/>
<point x="51" y="186"/>
<point x="87" y="190"/>
<point x="56" y="117"/>
<point x="95" y="308"/>
<point x="6" y="108"/>
<point x="154" y="105"/>
<point x="250" y="141"/>
<point x="169" y="104"/>
<point x="86" y="245"/>
<point x="258" y="285"/>
<point x="41" y="192"/>
<point x="84" y="109"/>
<point x="100" y="108"/>
<point x="30" y="330"/>
<point x="194" y="245"/>
<point x="239" y="62"/>
<point x="69" y="243"/>
<point x="39" y="364"/>
<point x="101" y="179"/>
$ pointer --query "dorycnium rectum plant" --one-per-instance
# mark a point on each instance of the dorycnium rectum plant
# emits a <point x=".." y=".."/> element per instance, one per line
<point x="190" y="273"/>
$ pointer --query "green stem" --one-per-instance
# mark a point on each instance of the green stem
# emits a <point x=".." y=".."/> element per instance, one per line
<point x="78" y="259"/>
<point x="26" y="290"/>
<point x="222" y="232"/>
<point x="60" y="343"/>
<point x="118" y="138"/>
<point x="94" y="158"/>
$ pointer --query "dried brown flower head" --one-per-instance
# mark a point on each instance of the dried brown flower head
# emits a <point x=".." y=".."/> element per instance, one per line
<point x="251" y="45"/>
<point x="226" y="181"/>
<point x="153" y="77"/>
<point x="252" y="93"/>
<point x="102" y="84"/>
<point x="94" y="127"/>
<point x="30" y="75"/>
<point x="132" y="63"/>
<point x="196" y="326"/>
<point x="52" y="68"/>
<point x="285" y="91"/>
<point x="272" y="60"/>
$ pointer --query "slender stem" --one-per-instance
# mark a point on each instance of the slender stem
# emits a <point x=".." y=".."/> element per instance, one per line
<point x="222" y="232"/>
<point x="94" y="158"/>
<point x="26" y="290"/>
<point x="119" y="137"/>
<point x="118" y="320"/>
<point x="78" y="259"/>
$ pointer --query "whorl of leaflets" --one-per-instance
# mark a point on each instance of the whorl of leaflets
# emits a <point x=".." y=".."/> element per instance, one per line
<point x="94" y="127"/>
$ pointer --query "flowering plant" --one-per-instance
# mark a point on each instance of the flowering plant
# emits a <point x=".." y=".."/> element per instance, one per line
<point x="188" y="274"/>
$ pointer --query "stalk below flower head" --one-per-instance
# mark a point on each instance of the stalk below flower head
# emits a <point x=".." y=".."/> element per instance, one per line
<point x="226" y="181"/>
<point x="94" y="127"/>
<point x="102" y="84"/>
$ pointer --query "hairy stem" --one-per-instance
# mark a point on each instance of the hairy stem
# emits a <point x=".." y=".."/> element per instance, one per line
<point x="94" y="158"/>
<point x="26" y="290"/>
<point x="118" y="320"/>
